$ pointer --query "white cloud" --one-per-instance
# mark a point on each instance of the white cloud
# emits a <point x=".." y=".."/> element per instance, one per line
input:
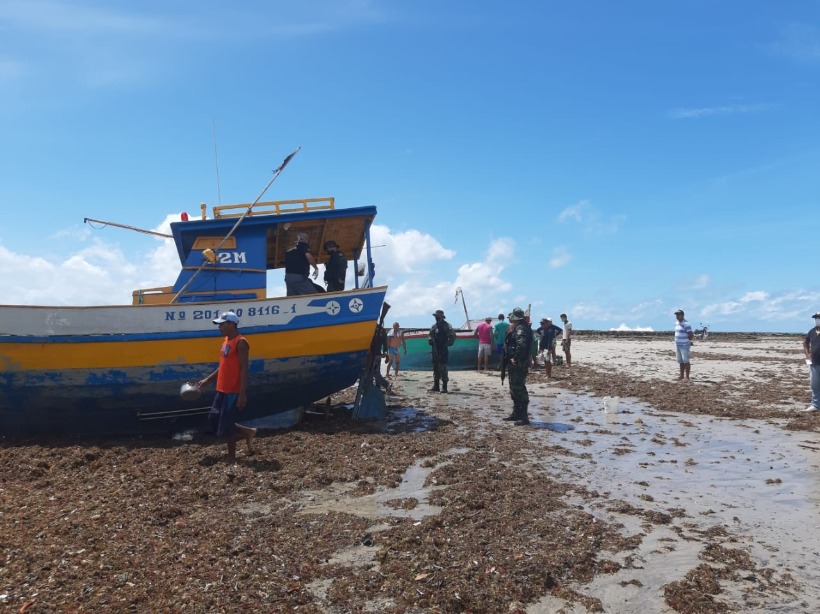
<point x="9" y="69"/>
<point x="701" y="282"/>
<point x="732" y="109"/>
<point x="405" y="252"/>
<point x="589" y="218"/>
<point x="763" y="306"/>
<point x="798" y="42"/>
<point x="574" y="212"/>
<point x="560" y="257"/>
<point x="426" y="291"/>
<point x="96" y="274"/>
<point x="754" y="296"/>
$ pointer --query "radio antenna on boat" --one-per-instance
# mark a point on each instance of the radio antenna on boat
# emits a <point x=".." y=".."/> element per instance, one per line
<point x="216" y="163"/>
<point x="276" y="173"/>
<point x="86" y="220"/>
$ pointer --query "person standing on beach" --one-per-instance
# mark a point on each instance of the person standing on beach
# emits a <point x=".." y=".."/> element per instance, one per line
<point x="547" y="335"/>
<point x="683" y="344"/>
<point x="395" y="340"/>
<point x="441" y="337"/>
<point x="566" y="341"/>
<point x="517" y="347"/>
<point x="484" y="332"/>
<point x="499" y="335"/>
<point x="335" y="267"/>
<point x="811" y="347"/>
<point x="231" y="385"/>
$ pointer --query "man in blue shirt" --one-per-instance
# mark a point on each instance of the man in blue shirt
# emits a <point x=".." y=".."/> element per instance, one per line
<point x="499" y="335"/>
<point x="683" y="343"/>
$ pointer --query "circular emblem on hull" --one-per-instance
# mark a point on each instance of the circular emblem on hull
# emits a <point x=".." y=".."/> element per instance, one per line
<point x="333" y="308"/>
<point x="355" y="305"/>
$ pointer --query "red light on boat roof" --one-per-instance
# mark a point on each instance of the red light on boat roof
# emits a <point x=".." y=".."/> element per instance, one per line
<point x="184" y="216"/>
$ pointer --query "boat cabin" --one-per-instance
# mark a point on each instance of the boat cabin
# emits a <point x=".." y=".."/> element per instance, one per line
<point x="223" y="261"/>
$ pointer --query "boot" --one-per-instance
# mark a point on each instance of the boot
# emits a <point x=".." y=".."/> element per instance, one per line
<point x="444" y="388"/>
<point x="435" y="387"/>
<point x="523" y="418"/>
<point x="514" y="415"/>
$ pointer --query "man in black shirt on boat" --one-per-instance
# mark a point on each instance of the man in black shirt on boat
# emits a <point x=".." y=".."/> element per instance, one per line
<point x="298" y="261"/>
<point x="335" y="268"/>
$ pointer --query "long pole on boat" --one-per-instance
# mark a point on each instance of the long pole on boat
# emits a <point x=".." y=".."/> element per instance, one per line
<point x="148" y="232"/>
<point x="463" y="304"/>
<point x="276" y="173"/>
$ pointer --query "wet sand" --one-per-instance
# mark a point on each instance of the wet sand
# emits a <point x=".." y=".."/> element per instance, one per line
<point x="691" y="497"/>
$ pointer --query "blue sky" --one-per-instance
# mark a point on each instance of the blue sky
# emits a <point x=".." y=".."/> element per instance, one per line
<point x="610" y="160"/>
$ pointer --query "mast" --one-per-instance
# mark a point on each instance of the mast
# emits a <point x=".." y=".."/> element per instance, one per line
<point x="464" y="305"/>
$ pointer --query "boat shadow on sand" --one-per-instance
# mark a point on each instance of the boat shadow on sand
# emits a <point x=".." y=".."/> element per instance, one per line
<point x="329" y="421"/>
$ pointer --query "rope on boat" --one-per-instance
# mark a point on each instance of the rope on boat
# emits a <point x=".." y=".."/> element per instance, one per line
<point x="276" y="173"/>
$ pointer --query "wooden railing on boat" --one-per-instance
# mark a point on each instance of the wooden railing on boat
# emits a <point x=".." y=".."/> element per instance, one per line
<point x="276" y="207"/>
<point x="163" y="296"/>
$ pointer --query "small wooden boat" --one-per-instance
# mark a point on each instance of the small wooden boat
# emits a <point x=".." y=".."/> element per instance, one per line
<point x="118" y="369"/>
<point x="462" y="354"/>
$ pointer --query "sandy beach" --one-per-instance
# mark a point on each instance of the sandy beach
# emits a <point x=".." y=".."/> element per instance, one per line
<point x="696" y="496"/>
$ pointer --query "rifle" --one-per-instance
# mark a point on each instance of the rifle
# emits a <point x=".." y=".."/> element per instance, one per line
<point x="504" y="361"/>
<point x="434" y="347"/>
<point x="377" y="343"/>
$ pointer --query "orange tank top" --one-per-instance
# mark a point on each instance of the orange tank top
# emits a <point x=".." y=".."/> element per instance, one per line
<point x="228" y="378"/>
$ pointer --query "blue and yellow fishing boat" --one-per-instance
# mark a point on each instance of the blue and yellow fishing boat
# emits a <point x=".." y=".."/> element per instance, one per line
<point x="119" y="369"/>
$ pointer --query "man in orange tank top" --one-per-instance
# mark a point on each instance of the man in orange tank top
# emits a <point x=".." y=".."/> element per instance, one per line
<point x="231" y="385"/>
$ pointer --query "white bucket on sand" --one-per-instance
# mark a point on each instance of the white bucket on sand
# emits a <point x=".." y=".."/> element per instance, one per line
<point x="610" y="405"/>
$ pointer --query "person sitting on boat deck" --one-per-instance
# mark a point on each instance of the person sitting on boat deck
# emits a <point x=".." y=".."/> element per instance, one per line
<point x="395" y="340"/>
<point x="231" y="385"/>
<point x="298" y="261"/>
<point x="440" y="338"/>
<point x="335" y="267"/>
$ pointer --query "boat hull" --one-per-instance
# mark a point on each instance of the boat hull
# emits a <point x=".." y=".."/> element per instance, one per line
<point x="119" y="369"/>
<point x="461" y="355"/>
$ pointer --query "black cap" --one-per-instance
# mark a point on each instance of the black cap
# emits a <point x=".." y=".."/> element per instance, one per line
<point x="331" y="243"/>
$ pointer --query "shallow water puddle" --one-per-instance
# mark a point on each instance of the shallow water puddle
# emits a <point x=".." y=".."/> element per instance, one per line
<point x="375" y="506"/>
<point x="753" y="478"/>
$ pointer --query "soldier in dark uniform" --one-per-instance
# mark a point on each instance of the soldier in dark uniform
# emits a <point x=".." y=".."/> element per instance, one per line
<point x="335" y="267"/>
<point x="440" y="338"/>
<point x="298" y="260"/>
<point x="517" y="347"/>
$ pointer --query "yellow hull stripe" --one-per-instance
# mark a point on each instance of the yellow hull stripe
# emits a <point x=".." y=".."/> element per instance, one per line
<point x="121" y="354"/>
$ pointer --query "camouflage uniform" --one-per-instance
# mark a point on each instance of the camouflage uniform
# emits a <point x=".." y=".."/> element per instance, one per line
<point x="440" y="338"/>
<point x="517" y="347"/>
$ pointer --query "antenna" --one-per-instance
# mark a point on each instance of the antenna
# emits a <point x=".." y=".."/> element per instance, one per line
<point x="216" y="162"/>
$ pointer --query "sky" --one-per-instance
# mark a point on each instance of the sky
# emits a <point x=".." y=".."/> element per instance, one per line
<point x="614" y="161"/>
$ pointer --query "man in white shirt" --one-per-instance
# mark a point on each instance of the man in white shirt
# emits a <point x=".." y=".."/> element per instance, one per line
<point x="566" y="340"/>
<point x="683" y="343"/>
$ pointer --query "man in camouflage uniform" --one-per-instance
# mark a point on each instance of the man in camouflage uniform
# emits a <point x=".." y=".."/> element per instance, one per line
<point x="440" y="338"/>
<point x="517" y="347"/>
